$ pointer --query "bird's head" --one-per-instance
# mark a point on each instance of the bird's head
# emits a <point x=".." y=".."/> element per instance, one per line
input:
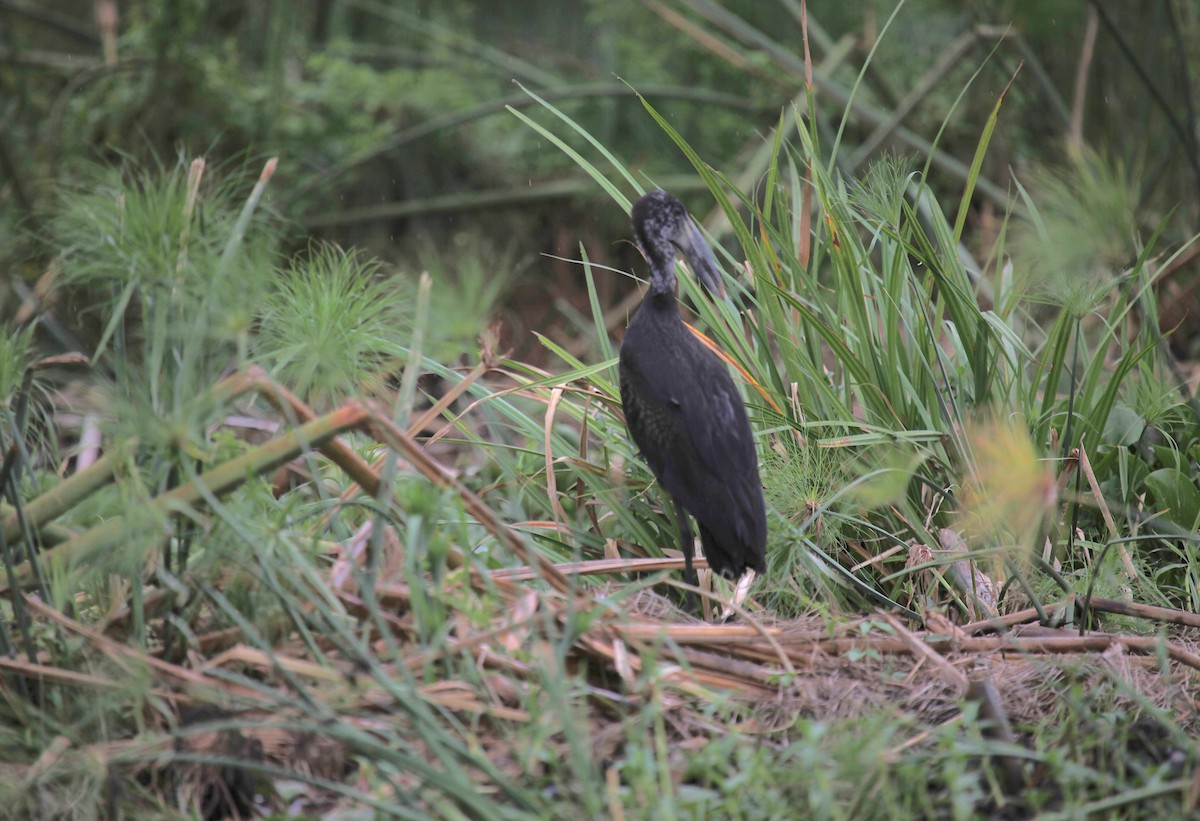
<point x="664" y="230"/>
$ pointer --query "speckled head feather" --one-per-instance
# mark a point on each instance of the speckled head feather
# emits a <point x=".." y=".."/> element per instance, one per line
<point x="664" y="229"/>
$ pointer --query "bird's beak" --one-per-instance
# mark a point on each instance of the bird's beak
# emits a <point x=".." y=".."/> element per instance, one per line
<point x="700" y="258"/>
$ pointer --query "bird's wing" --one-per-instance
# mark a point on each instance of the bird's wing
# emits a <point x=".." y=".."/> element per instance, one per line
<point x="706" y="415"/>
<point x="715" y="417"/>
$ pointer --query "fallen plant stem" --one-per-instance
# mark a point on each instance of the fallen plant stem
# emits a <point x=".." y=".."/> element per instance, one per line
<point x="1142" y="611"/>
<point x="600" y="567"/>
<point x="256" y="379"/>
<point x="1002" y="624"/>
<point x="922" y="649"/>
<point x="217" y="481"/>
<point x="745" y="640"/>
<point x="41" y="511"/>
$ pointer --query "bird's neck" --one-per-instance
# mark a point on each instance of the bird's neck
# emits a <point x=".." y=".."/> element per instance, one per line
<point x="662" y="279"/>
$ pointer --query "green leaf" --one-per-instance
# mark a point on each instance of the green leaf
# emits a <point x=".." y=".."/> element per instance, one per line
<point x="887" y="484"/>
<point x="593" y="172"/>
<point x="977" y="161"/>
<point x="1177" y="495"/>
<point x="1165" y="455"/>
<point x="1124" y="426"/>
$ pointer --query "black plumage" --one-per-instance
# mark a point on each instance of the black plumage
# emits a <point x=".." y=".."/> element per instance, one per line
<point x="681" y="406"/>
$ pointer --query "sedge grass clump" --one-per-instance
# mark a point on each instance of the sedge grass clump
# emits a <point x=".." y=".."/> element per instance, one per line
<point x="148" y="242"/>
<point x="1081" y="235"/>
<point x="471" y="279"/>
<point x="880" y="195"/>
<point x="1156" y="400"/>
<point x="332" y="325"/>
<point x="804" y="478"/>
<point x="15" y="357"/>
<point x="167" y="259"/>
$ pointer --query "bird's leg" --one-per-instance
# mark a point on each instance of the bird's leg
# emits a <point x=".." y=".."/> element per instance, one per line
<point x="739" y="595"/>
<point x="687" y="543"/>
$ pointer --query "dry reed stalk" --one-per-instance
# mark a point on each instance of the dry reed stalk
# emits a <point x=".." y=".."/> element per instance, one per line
<point x="921" y="649"/>
<point x="295" y="410"/>
<point x="57" y="675"/>
<point x="1143" y="611"/>
<point x="1001" y="624"/>
<point x="600" y="567"/>
<point x="1116" y="606"/>
<point x="122" y="655"/>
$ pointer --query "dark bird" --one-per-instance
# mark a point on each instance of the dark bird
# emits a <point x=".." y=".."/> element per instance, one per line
<point x="681" y="406"/>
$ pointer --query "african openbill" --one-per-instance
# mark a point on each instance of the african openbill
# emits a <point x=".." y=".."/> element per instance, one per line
<point x="682" y="408"/>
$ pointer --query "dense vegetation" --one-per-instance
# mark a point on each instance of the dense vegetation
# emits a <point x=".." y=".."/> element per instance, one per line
<point x="316" y="492"/>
